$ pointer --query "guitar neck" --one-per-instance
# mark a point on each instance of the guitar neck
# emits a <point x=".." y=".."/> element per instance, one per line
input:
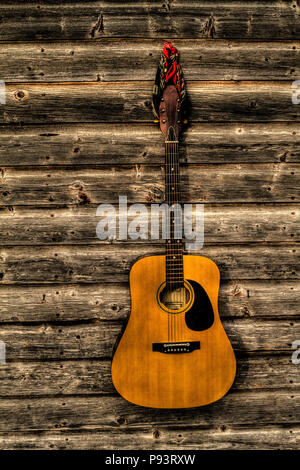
<point x="172" y="173"/>
<point x="174" y="246"/>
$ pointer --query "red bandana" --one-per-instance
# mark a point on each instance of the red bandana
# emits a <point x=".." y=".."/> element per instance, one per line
<point x="169" y="71"/>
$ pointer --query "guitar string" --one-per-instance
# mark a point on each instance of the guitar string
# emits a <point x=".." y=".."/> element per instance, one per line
<point x="170" y="223"/>
<point x="176" y="200"/>
<point x="166" y="184"/>
<point x="176" y="197"/>
<point x="174" y="265"/>
<point x="174" y="218"/>
<point x="169" y="248"/>
<point x="173" y="253"/>
<point x="178" y="255"/>
<point x="173" y="222"/>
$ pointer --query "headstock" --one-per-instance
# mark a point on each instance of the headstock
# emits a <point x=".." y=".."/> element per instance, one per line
<point x="170" y="113"/>
<point x="169" y="96"/>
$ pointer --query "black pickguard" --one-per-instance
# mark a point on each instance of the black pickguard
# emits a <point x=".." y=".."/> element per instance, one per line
<point x="201" y="315"/>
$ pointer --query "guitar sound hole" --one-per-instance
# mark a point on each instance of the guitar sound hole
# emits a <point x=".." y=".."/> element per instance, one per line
<point x="174" y="298"/>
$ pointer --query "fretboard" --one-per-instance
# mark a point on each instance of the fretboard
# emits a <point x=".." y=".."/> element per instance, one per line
<point x="174" y="246"/>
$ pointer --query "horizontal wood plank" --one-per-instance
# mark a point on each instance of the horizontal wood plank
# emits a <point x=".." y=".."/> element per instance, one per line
<point x="251" y="223"/>
<point x="110" y="263"/>
<point x="221" y="437"/>
<point x="118" y="144"/>
<point x="97" y="339"/>
<point x="125" y="102"/>
<point x="90" y="413"/>
<point x="146" y="184"/>
<point x="77" y="130"/>
<point x="70" y="303"/>
<point x="114" y="60"/>
<point x="193" y="19"/>
<point x="94" y="377"/>
<point x="245" y="223"/>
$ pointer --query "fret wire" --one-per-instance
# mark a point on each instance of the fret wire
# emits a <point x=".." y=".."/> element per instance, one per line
<point x="176" y="262"/>
<point x="174" y="266"/>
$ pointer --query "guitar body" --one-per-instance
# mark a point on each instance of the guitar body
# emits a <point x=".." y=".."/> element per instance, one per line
<point x="174" y="360"/>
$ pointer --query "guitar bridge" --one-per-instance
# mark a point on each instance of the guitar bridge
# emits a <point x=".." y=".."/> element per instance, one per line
<point x="176" y="348"/>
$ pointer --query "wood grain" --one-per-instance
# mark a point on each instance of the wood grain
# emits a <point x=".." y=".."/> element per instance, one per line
<point x="22" y="225"/>
<point x="125" y="102"/>
<point x="222" y="437"/>
<point x="73" y="109"/>
<point x="258" y="299"/>
<point x="114" y="413"/>
<point x="114" y="59"/>
<point x="96" y="339"/>
<point x="91" y="377"/>
<point x="145" y="183"/>
<point x="109" y="263"/>
<point x="119" y="144"/>
<point x="192" y="19"/>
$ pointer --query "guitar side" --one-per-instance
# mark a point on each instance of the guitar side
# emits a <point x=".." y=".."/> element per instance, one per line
<point x="182" y="380"/>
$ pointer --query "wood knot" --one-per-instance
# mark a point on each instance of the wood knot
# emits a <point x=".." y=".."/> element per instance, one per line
<point x="209" y="28"/>
<point x="157" y="193"/>
<point x="236" y="291"/>
<point x="284" y="156"/>
<point x="156" y="434"/>
<point x="122" y="420"/>
<point x="20" y="95"/>
<point x="97" y="28"/>
<point x="253" y="105"/>
<point x="166" y="6"/>
<point x="83" y="196"/>
<point x="245" y="311"/>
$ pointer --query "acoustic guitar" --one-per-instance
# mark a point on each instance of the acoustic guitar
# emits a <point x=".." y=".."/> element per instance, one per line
<point x="174" y="352"/>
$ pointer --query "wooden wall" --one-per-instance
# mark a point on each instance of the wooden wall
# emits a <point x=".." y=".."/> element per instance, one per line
<point x="77" y="131"/>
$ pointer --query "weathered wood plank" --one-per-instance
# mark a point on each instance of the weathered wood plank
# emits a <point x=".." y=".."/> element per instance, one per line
<point x="145" y="183"/>
<point x="125" y="102"/>
<point x="221" y="437"/>
<point x="90" y="413"/>
<point x="114" y="60"/>
<point x="247" y="223"/>
<point x="66" y="303"/>
<point x="96" y="144"/>
<point x="96" y="340"/>
<point x="94" y="377"/>
<point x="110" y="263"/>
<point x="194" y="19"/>
<point x="265" y="391"/>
